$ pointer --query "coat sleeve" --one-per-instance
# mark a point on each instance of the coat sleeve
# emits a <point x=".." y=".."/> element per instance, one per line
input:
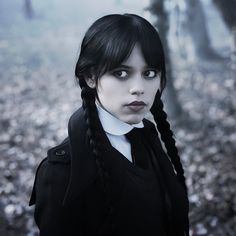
<point x="51" y="217"/>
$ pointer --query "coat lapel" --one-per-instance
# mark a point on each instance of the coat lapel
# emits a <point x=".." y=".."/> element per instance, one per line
<point x="83" y="166"/>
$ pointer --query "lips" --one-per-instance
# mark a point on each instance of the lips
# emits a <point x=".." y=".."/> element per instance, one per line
<point x="137" y="103"/>
<point x="136" y="106"/>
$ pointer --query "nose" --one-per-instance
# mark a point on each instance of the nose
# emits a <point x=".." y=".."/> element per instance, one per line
<point x="137" y="86"/>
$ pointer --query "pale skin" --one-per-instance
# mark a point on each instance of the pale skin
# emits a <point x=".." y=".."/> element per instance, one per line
<point x="132" y="81"/>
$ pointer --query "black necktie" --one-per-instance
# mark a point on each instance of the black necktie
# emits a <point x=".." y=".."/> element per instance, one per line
<point x="139" y="151"/>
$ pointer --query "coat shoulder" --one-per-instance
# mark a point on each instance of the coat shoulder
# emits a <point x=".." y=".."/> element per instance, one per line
<point x="60" y="153"/>
<point x="54" y="169"/>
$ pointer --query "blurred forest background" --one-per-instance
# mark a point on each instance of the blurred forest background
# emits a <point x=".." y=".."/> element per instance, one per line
<point x="39" y="43"/>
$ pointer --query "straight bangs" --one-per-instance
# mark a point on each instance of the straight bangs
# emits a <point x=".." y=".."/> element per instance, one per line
<point x="117" y="49"/>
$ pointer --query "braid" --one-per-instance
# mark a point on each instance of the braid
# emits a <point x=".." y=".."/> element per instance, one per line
<point x="91" y="121"/>
<point x="91" y="116"/>
<point x="166" y="133"/>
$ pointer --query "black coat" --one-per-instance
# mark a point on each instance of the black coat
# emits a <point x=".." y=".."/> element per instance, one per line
<point x="68" y="196"/>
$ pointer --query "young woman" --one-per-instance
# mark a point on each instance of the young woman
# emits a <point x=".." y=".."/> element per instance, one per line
<point x="111" y="175"/>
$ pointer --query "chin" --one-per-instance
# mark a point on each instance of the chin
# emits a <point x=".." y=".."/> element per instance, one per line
<point x="134" y="120"/>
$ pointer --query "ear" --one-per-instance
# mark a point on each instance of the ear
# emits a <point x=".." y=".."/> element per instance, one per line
<point x="91" y="82"/>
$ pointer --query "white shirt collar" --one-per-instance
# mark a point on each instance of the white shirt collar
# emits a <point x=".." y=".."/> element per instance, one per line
<point x="113" y="125"/>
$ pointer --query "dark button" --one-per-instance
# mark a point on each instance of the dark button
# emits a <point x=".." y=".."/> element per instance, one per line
<point x="60" y="152"/>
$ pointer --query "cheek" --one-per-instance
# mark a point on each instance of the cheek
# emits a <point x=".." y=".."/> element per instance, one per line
<point x="152" y="93"/>
<point x="110" y="89"/>
<point x="107" y="92"/>
<point x="152" y="89"/>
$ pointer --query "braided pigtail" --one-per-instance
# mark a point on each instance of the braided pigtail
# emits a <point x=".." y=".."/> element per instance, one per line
<point x="91" y="120"/>
<point x="166" y="134"/>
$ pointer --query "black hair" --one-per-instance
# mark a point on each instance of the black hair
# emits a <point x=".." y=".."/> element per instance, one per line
<point x="110" y="40"/>
<point x="107" y="43"/>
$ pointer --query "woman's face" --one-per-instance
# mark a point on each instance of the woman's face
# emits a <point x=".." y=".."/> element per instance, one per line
<point x="128" y="91"/>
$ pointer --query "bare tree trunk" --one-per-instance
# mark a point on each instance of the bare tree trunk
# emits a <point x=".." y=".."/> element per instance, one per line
<point x="28" y="9"/>
<point x="228" y="12"/>
<point x="233" y="50"/>
<point x="173" y="105"/>
<point x="196" y="26"/>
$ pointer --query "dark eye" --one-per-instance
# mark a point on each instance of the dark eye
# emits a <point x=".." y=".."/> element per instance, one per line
<point x="120" y="74"/>
<point x="150" y="74"/>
